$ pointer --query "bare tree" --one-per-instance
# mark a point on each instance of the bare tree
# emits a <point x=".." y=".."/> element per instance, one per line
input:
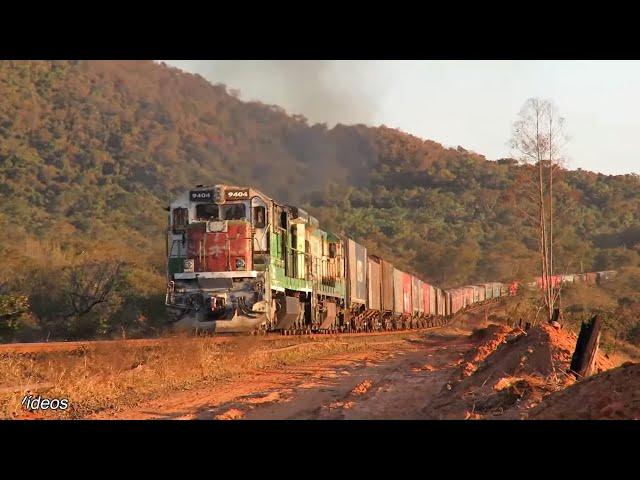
<point x="89" y="285"/>
<point x="538" y="138"/>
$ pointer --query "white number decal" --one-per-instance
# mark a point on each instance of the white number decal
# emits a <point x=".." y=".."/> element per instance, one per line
<point x="237" y="194"/>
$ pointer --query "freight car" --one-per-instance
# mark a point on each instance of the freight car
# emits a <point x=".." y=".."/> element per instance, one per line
<point x="239" y="261"/>
<point x="589" y="278"/>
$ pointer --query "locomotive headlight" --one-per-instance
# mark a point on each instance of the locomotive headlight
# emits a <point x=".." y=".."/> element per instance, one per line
<point x="240" y="263"/>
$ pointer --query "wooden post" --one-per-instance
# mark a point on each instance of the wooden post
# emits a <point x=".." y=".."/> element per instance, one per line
<point x="586" y="348"/>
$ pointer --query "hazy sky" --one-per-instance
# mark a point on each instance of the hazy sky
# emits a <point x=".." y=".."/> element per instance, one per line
<point x="467" y="103"/>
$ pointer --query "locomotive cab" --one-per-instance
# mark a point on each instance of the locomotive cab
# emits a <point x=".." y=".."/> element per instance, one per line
<point x="217" y="256"/>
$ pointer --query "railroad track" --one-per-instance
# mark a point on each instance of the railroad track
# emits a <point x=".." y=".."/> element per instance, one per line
<point x="48" y="347"/>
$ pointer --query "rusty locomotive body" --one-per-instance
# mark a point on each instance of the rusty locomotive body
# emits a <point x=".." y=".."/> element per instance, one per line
<point x="239" y="261"/>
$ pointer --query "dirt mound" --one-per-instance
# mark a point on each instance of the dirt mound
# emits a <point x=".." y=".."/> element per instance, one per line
<point x="614" y="394"/>
<point x="490" y="337"/>
<point x="511" y="371"/>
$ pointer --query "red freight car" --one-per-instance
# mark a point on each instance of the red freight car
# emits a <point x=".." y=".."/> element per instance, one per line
<point x="426" y="298"/>
<point x="418" y="301"/>
<point x="407" y="297"/>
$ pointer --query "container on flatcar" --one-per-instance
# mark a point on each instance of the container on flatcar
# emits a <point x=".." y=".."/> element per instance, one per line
<point x="432" y="300"/>
<point x="374" y="282"/>
<point x="449" y="302"/>
<point x="416" y="296"/>
<point x="476" y="293"/>
<point x="402" y="303"/>
<point x="455" y="300"/>
<point x="468" y="295"/>
<point x="426" y="298"/>
<point x="398" y="292"/>
<point x="387" y="286"/>
<point x="356" y="263"/>
<point x="514" y="287"/>
<point x="481" y="293"/>
<point x="441" y="308"/>
<point x="407" y="299"/>
<point x="604" y="276"/>
<point x="459" y="299"/>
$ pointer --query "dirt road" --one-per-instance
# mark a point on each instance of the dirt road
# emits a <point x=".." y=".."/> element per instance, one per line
<point x="393" y="379"/>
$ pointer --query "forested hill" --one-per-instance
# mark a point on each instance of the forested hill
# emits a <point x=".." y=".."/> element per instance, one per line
<point x="91" y="151"/>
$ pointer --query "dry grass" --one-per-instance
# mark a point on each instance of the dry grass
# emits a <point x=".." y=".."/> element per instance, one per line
<point x="117" y="376"/>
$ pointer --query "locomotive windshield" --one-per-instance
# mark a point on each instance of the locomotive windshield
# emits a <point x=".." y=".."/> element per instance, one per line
<point x="234" y="211"/>
<point x="229" y="211"/>
<point x="207" y="211"/>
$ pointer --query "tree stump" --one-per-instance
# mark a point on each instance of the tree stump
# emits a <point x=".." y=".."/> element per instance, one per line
<point x="584" y="356"/>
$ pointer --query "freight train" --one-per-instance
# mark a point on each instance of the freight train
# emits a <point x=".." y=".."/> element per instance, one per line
<point x="238" y="261"/>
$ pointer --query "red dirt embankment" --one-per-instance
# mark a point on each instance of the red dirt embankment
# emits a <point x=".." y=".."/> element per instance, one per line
<point x="612" y="395"/>
<point x="510" y="372"/>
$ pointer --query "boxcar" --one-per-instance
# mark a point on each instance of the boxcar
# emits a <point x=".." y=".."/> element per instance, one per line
<point x="455" y="300"/>
<point x="606" y="275"/>
<point x="481" y="293"/>
<point x="476" y="293"/>
<point x="441" y="308"/>
<point x="417" y="297"/>
<point x="449" y="301"/>
<point x="356" y="273"/>
<point x="460" y="299"/>
<point x="398" y="292"/>
<point x="387" y="286"/>
<point x="402" y="303"/>
<point x="374" y="282"/>
<point x="433" y="307"/>
<point x="468" y="295"/>
<point x="426" y="298"/>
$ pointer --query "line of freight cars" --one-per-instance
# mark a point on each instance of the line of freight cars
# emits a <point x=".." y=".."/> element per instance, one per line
<point x="590" y="278"/>
<point x="397" y="299"/>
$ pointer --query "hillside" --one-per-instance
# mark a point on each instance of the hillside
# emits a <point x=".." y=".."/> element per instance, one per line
<point x="91" y="152"/>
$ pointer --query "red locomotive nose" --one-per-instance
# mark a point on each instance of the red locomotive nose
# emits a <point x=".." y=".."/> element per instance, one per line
<point x="223" y="251"/>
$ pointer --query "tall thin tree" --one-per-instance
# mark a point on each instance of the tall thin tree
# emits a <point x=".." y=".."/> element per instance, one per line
<point x="538" y="138"/>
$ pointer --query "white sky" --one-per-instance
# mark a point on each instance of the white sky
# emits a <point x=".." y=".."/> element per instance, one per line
<point x="467" y="103"/>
